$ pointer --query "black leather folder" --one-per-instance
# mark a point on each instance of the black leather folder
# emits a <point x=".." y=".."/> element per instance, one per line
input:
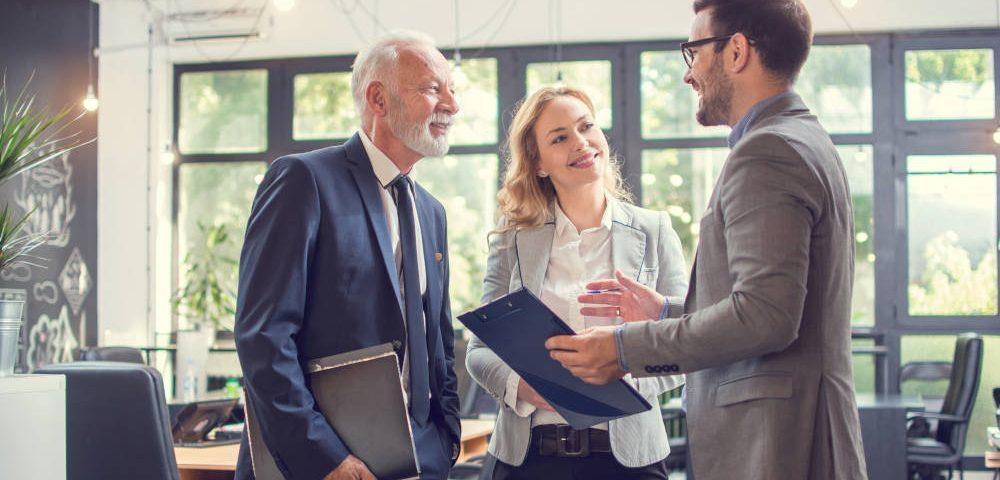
<point x="361" y="395"/>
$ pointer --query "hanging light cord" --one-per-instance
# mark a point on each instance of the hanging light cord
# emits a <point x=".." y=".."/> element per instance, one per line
<point x="458" y="53"/>
<point x="90" y="53"/>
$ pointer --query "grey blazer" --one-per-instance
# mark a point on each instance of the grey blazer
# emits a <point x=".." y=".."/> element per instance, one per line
<point x="645" y="247"/>
<point x="766" y="338"/>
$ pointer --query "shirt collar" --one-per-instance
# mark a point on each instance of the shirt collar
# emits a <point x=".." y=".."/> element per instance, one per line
<point x="564" y="226"/>
<point x="385" y="170"/>
<point x="743" y="125"/>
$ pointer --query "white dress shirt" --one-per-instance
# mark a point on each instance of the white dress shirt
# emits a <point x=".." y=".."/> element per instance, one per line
<point x="575" y="260"/>
<point x="386" y="172"/>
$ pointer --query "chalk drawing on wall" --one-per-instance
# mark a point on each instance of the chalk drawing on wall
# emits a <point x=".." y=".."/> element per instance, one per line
<point x="51" y="340"/>
<point x="47" y="189"/>
<point x="75" y="280"/>
<point x="46" y="291"/>
<point x="82" y="329"/>
<point x="18" y="272"/>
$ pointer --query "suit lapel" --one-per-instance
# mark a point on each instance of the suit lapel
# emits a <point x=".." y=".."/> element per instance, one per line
<point x="428" y="236"/>
<point x="364" y="177"/>
<point x="628" y="244"/>
<point x="533" y="248"/>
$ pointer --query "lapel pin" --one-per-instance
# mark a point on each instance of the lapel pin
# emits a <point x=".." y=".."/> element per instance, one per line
<point x="438" y="257"/>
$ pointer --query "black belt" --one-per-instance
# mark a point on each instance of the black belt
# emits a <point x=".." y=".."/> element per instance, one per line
<point x="563" y="441"/>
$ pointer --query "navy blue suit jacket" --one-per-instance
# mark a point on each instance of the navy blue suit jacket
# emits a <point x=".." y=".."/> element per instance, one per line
<point x="318" y="278"/>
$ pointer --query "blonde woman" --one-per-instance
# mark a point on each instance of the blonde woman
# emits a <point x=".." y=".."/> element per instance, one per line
<point x="565" y="221"/>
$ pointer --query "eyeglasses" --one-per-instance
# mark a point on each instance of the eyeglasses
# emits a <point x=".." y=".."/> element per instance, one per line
<point x="687" y="48"/>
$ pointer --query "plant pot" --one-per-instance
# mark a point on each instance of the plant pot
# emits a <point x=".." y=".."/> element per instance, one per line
<point x="11" y="313"/>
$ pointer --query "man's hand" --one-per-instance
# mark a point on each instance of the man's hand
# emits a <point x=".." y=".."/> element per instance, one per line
<point x="591" y="355"/>
<point x="351" y="468"/>
<point x="627" y="298"/>
<point x="528" y="394"/>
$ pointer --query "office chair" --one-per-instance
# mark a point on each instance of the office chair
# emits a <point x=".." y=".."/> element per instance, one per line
<point x="116" y="421"/>
<point x="943" y="448"/>
<point x="112" y="354"/>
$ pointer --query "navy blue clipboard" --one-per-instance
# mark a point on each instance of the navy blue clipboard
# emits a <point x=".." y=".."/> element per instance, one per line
<point x="516" y="327"/>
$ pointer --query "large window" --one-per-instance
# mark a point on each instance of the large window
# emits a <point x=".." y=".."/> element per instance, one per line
<point x="476" y="89"/>
<point x="214" y="195"/>
<point x="594" y="77"/>
<point x="679" y="181"/>
<point x="952" y="230"/>
<point x="836" y="84"/>
<point x="950" y="84"/>
<point x="470" y="205"/>
<point x="911" y="116"/>
<point x="668" y="104"/>
<point x="223" y="112"/>
<point x="324" y="106"/>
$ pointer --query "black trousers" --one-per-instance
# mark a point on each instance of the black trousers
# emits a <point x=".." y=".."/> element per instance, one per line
<point x="596" y="466"/>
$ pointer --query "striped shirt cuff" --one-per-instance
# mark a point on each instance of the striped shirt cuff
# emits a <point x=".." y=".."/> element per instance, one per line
<point x="619" y="330"/>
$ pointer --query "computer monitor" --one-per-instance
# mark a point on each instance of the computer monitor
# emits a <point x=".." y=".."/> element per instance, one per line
<point x="198" y="418"/>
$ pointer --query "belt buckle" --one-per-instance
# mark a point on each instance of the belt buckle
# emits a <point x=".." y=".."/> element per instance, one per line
<point x="566" y="436"/>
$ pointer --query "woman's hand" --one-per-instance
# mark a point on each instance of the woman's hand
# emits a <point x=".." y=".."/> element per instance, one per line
<point x="622" y="297"/>
<point x="528" y="394"/>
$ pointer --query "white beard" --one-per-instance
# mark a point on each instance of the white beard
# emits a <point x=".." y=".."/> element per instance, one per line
<point x="417" y="136"/>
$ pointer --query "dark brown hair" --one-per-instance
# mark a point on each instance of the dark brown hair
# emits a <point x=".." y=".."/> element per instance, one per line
<point x="781" y="30"/>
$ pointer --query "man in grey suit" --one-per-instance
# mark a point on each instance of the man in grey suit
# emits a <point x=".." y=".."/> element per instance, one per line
<point x="764" y="333"/>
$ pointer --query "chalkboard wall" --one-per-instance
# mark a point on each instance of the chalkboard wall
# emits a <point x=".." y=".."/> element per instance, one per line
<point x="50" y="39"/>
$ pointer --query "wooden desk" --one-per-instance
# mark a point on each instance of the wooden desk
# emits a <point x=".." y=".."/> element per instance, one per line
<point x="216" y="463"/>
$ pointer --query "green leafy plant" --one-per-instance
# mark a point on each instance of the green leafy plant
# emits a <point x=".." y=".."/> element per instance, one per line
<point x="204" y="299"/>
<point x="30" y="135"/>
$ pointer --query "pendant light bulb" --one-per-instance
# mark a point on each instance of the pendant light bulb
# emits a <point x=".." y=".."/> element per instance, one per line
<point x="90" y="102"/>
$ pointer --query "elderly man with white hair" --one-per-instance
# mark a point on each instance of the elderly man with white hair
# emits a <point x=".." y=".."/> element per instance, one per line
<point x="344" y="251"/>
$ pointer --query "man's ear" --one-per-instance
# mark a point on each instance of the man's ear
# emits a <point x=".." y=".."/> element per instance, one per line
<point x="739" y="55"/>
<point x="375" y="97"/>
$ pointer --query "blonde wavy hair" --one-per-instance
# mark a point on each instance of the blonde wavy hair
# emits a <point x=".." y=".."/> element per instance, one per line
<point x="524" y="197"/>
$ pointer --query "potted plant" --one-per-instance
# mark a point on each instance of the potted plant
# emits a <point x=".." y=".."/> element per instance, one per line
<point x="204" y="299"/>
<point x="29" y="136"/>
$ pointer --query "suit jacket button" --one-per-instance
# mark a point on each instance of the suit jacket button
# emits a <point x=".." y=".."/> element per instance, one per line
<point x="650" y="369"/>
<point x="397" y="345"/>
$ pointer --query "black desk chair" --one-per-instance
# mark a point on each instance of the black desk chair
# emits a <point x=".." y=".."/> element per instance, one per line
<point x="112" y="354"/>
<point x="944" y="446"/>
<point x="116" y="421"/>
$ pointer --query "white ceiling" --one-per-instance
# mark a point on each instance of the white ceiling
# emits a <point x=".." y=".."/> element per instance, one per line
<point x="324" y="27"/>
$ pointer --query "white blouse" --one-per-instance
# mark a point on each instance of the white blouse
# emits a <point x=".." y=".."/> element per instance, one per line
<point x="575" y="260"/>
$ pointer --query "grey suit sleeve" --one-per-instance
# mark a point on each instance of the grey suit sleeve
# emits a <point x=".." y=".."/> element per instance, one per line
<point x="769" y="202"/>
<point x="671" y="282"/>
<point x="484" y="366"/>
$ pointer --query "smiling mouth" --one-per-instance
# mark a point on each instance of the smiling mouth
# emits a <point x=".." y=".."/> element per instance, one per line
<point x="440" y="128"/>
<point x="585" y="161"/>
